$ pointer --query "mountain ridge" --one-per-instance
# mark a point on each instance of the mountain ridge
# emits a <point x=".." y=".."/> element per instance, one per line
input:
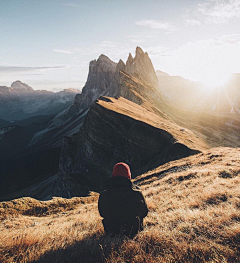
<point x="21" y="101"/>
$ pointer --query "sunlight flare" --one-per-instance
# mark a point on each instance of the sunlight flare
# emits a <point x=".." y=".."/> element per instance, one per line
<point x="215" y="79"/>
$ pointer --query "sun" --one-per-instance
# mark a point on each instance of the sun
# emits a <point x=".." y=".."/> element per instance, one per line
<point x="215" y="79"/>
<point x="213" y="76"/>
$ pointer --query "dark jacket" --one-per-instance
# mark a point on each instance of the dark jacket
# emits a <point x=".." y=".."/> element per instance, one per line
<point x="122" y="206"/>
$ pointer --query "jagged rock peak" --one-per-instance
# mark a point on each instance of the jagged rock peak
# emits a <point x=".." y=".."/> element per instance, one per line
<point x="141" y="67"/>
<point x="100" y="77"/>
<point x="20" y="86"/>
<point x="104" y="77"/>
<point x="103" y="62"/>
<point x="121" y="66"/>
<point x="102" y="57"/>
<point x="139" y="51"/>
<point x="130" y="59"/>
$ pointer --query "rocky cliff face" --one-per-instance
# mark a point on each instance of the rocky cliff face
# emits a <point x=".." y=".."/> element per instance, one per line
<point x="141" y="67"/>
<point x="104" y="79"/>
<point x="135" y="81"/>
<point x="119" y="130"/>
<point x="100" y="77"/>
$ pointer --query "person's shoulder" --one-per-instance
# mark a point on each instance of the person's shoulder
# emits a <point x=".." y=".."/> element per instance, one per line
<point x="103" y="193"/>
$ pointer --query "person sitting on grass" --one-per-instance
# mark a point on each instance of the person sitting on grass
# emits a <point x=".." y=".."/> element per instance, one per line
<point x="122" y="206"/>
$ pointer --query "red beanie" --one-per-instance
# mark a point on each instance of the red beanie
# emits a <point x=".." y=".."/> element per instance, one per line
<point x="121" y="169"/>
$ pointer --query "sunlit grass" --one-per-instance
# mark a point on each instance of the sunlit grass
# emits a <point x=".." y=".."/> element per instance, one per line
<point x="194" y="216"/>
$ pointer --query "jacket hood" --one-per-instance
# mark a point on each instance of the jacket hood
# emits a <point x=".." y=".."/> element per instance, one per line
<point x="118" y="182"/>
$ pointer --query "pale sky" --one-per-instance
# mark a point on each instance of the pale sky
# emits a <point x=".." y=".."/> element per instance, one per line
<point x="48" y="44"/>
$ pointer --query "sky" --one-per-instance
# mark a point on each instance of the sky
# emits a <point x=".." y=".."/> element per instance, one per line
<point x="48" y="44"/>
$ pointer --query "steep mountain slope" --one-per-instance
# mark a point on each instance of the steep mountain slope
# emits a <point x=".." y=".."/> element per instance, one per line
<point x="20" y="101"/>
<point x="193" y="217"/>
<point x="15" y="136"/>
<point x="105" y="78"/>
<point x="109" y="79"/>
<point x="114" y="130"/>
<point x="19" y="163"/>
<point x="4" y="123"/>
<point x="100" y="76"/>
<point x="119" y="130"/>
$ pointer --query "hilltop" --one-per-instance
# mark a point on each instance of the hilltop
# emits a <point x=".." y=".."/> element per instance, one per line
<point x="194" y="217"/>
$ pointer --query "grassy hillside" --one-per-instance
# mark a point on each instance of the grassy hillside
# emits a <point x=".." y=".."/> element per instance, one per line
<point x="194" y="216"/>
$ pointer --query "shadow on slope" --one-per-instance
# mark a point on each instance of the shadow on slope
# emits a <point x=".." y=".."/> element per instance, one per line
<point x="27" y="170"/>
<point x="146" y="247"/>
<point x="92" y="249"/>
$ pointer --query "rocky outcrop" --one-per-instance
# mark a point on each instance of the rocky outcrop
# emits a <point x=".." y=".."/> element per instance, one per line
<point x="119" y="130"/>
<point x="133" y="81"/>
<point x="141" y="67"/>
<point x="104" y="77"/>
<point x="100" y="76"/>
<point x="102" y="80"/>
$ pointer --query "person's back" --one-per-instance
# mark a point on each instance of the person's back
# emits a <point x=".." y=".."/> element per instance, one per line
<point x="122" y="206"/>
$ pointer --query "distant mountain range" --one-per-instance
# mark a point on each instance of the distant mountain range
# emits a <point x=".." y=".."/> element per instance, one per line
<point x="126" y="112"/>
<point x="20" y="101"/>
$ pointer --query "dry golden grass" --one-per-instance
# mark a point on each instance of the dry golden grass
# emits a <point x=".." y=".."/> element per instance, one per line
<point x="194" y="216"/>
<point x="149" y="116"/>
<point x="30" y="206"/>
